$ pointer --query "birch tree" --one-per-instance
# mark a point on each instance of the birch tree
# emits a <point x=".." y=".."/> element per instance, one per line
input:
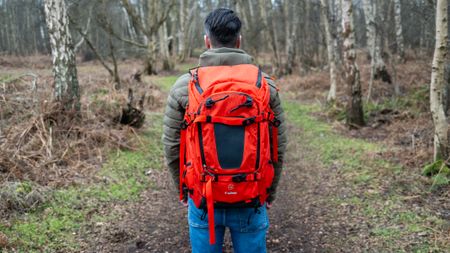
<point x="330" y="50"/>
<point x="164" y="48"/>
<point x="291" y="24"/>
<point x="355" y="116"/>
<point x="374" y="37"/>
<point x="441" y="141"/>
<point x="370" y="23"/>
<point x="337" y="29"/>
<point x="64" y="65"/>
<point x="399" y="30"/>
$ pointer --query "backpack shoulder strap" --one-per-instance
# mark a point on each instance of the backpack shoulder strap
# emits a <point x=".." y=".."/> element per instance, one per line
<point x="195" y="80"/>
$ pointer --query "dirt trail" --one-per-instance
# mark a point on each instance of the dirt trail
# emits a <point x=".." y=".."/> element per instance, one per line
<point x="157" y="223"/>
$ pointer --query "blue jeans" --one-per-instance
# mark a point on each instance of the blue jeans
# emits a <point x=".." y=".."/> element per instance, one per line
<point x="247" y="227"/>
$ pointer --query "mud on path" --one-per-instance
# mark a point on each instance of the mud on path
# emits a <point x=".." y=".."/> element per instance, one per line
<point x="158" y="223"/>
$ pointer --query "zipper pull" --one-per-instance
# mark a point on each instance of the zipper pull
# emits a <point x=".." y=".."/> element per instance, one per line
<point x="210" y="102"/>
<point x="248" y="103"/>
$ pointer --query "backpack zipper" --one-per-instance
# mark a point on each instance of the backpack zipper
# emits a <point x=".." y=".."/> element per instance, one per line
<point x="226" y="96"/>
<point x="248" y="103"/>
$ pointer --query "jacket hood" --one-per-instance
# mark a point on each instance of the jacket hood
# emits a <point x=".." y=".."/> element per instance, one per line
<point x="224" y="56"/>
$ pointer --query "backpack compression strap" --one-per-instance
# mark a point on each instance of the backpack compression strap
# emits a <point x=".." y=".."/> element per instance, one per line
<point x="210" y="210"/>
<point x="275" y="124"/>
<point x="183" y="128"/>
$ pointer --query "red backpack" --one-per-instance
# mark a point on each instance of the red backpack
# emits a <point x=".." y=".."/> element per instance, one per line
<point x="226" y="138"/>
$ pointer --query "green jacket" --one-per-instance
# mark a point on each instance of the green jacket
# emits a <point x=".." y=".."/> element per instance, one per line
<point x="178" y="99"/>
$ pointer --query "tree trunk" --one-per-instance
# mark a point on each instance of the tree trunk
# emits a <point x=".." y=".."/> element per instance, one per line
<point x="441" y="142"/>
<point x="355" y="116"/>
<point x="181" y="31"/>
<point x="157" y="13"/>
<point x="150" y="61"/>
<point x="370" y="25"/>
<point x="291" y="34"/>
<point x="337" y="30"/>
<point x="131" y="31"/>
<point x="372" y="73"/>
<point x="330" y="50"/>
<point x="64" y="65"/>
<point x="164" y="48"/>
<point x="398" y="30"/>
<point x="116" y="77"/>
<point x="268" y="19"/>
<point x="374" y="41"/>
<point x="187" y="16"/>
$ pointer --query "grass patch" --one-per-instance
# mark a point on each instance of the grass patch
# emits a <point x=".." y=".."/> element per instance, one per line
<point x="439" y="172"/>
<point x="416" y="102"/>
<point x="387" y="233"/>
<point x="374" y="197"/>
<point x="52" y="226"/>
<point x="166" y="82"/>
<point x="320" y="136"/>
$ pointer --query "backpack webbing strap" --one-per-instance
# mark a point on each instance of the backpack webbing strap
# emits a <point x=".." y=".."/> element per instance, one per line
<point x="275" y="124"/>
<point x="258" y="81"/>
<point x="210" y="209"/>
<point x="275" y="143"/>
<point x="182" y="160"/>
<point x="196" y="82"/>
<point x="228" y="120"/>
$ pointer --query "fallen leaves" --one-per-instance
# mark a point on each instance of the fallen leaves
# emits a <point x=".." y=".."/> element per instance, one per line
<point x="4" y="241"/>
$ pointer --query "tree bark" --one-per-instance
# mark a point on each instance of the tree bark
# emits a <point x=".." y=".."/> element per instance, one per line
<point x="372" y="73"/>
<point x="269" y="24"/>
<point x="116" y="76"/>
<point x="355" y="116"/>
<point x="337" y="30"/>
<point x="291" y="19"/>
<point x="181" y="31"/>
<point x="187" y="16"/>
<point x="398" y="30"/>
<point x="64" y="65"/>
<point x="374" y="41"/>
<point x="330" y="50"/>
<point x="441" y="141"/>
<point x="157" y="13"/>
<point x="370" y="24"/>
<point x="164" y="48"/>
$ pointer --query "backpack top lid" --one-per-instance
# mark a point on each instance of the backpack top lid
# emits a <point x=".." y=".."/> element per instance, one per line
<point x="245" y="78"/>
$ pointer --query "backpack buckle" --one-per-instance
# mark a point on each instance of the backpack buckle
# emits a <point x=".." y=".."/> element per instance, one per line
<point x="209" y="102"/>
<point x="205" y="176"/>
<point x="239" y="178"/>
<point x="184" y="124"/>
<point x="276" y="122"/>
<point x="248" y="102"/>
<point x="249" y="121"/>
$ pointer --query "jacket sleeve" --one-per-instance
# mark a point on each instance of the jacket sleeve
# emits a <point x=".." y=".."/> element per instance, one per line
<point x="173" y="116"/>
<point x="275" y="104"/>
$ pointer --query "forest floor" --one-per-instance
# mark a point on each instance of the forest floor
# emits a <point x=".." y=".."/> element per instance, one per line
<point x="341" y="190"/>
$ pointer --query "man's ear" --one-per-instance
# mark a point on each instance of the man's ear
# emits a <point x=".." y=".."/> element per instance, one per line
<point x="238" y="42"/>
<point x="207" y="42"/>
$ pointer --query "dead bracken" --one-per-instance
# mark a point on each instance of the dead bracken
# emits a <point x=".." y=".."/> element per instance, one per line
<point x="42" y="142"/>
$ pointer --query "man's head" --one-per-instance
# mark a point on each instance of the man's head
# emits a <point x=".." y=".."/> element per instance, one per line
<point x="222" y="28"/>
